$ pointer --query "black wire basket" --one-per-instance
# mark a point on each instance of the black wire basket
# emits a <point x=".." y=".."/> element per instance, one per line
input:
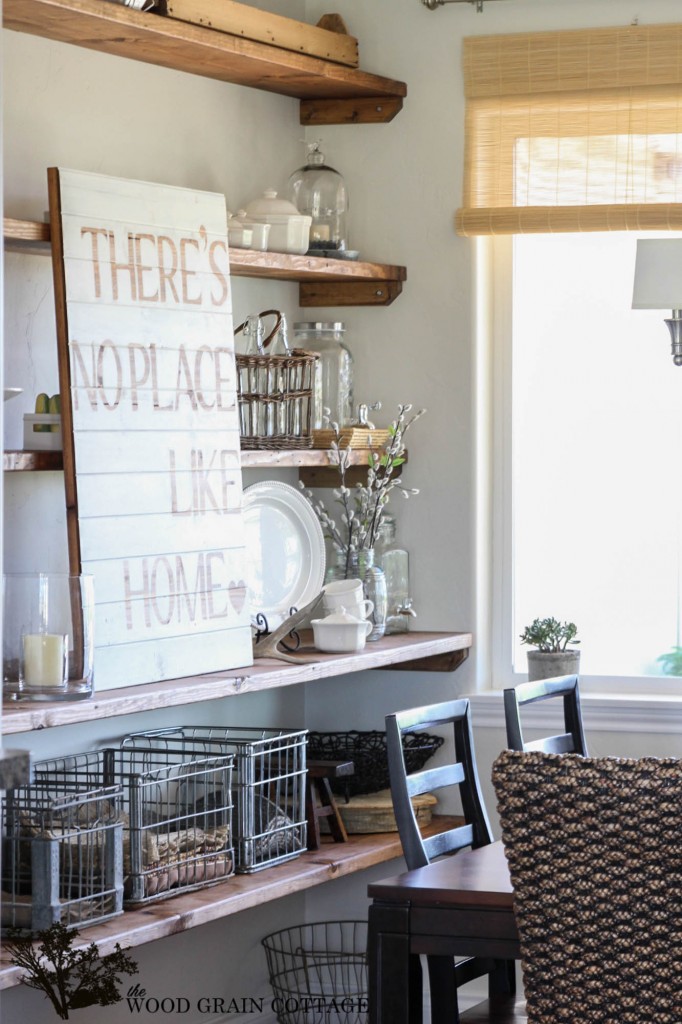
<point x="368" y="752"/>
<point x="318" y="973"/>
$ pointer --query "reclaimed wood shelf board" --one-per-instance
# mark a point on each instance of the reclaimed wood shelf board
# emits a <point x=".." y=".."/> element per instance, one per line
<point x="240" y="892"/>
<point x="264" y="458"/>
<point x="331" y="93"/>
<point x="31" y="462"/>
<point x="425" y="651"/>
<point x="322" y="282"/>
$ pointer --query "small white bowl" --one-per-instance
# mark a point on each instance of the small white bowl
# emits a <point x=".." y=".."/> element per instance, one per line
<point x="340" y="632"/>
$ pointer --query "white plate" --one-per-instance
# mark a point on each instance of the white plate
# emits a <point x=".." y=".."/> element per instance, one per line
<point x="285" y="550"/>
<point x="12" y="392"/>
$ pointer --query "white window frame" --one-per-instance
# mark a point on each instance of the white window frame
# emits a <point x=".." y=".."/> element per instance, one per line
<point x="494" y="528"/>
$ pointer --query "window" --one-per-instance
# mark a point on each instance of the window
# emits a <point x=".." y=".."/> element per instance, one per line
<point x="593" y="456"/>
<point x="573" y="147"/>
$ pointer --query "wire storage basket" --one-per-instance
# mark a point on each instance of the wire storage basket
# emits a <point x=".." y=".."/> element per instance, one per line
<point x="177" y="816"/>
<point x="369" y="754"/>
<point x="318" y="972"/>
<point x="62" y="853"/>
<point x="269" y="785"/>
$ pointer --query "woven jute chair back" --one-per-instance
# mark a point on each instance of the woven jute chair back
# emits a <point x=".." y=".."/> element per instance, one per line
<point x="595" y="854"/>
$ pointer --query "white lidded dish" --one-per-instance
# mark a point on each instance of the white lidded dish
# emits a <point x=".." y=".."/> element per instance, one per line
<point x="289" y="229"/>
<point x="340" y="632"/>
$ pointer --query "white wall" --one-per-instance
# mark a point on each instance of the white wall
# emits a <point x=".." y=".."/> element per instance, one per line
<point x="74" y="108"/>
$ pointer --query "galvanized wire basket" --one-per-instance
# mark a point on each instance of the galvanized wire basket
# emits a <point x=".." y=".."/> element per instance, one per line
<point x="269" y="784"/>
<point x="318" y="973"/>
<point x="62" y="853"/>
<point x="177" y="815"/>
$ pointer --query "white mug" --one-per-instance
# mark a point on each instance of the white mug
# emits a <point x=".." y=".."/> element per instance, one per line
<point x="346" y="594"/>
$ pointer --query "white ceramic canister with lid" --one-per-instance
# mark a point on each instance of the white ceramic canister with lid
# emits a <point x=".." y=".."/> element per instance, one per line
<point x="333" y="383"/>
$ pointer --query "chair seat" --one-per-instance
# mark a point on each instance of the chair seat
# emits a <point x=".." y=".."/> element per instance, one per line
<point x="496" y="1010"/>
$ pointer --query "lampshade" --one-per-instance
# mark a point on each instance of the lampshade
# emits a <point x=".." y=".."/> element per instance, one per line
<point x="658" y="274"/>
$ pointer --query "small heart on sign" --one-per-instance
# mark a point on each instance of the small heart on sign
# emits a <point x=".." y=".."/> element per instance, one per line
<point x="237" y="594"/>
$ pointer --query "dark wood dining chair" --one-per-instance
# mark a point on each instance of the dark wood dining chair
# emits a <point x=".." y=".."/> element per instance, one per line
<point x="446" y="975"/>
<point x="572" y="740"/>
<point x="593" y="846"/>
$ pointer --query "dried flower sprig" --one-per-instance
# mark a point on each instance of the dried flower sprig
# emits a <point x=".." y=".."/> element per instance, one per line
<point x="362" y="507"/>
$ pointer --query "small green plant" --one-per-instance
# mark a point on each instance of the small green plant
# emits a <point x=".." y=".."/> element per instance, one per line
<point x="550" y="635"/>
<point x="70" y="978"/>
<point x="671" y="662"/>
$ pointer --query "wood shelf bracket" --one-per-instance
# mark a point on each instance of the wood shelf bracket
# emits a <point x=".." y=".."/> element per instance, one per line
<point x="362" y="110"/>
<point x="449" y="661"/>
<point x="348" y="293"/>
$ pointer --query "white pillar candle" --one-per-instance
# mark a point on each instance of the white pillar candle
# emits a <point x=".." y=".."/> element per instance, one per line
<point x="44" y="659"/>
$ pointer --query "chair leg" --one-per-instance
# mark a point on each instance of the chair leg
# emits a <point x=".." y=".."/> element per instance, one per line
<point x="502" y="979"/>
<point x="444" y="1008"/>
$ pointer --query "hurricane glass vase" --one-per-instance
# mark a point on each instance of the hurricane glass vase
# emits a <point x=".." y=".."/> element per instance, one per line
<point x="48" y="645"/>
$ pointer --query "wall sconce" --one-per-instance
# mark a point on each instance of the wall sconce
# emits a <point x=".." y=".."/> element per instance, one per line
<point x="658" y="284"/>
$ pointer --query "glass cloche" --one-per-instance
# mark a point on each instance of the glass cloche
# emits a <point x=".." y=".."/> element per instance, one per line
<point x="320" y="192"/>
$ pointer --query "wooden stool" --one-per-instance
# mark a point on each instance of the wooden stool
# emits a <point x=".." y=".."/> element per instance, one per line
<point x="320" y="801"/>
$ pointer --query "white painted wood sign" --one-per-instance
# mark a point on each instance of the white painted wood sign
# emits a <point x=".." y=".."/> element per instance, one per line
<point x="149" y="420"/>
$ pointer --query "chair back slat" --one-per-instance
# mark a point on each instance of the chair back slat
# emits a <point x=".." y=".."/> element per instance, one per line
<point x="561" y="744"/>
<point x="435" y="778"/>
<point x="449" y="842"/>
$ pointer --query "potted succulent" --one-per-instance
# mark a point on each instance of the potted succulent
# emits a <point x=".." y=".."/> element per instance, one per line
<point x="551" y="656"/>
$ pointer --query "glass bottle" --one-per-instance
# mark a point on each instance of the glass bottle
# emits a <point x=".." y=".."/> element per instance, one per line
<point x="350" y="565"/>
<point x="249" y="343"/>
<point x="396" y="565"/>
<point x="278" y="376"/>
<point x="333" y="383"/>
<point x="320" y="192"/>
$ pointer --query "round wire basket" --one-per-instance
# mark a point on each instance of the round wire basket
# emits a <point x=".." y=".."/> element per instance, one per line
<point x="318" y="972"/>
<point x="368" y="752"/>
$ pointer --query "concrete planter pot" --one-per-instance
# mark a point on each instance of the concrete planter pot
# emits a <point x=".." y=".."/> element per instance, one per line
<point x="546" y="665"/>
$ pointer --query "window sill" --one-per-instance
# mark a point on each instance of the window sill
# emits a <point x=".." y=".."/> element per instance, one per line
<point x="602" y="712"/>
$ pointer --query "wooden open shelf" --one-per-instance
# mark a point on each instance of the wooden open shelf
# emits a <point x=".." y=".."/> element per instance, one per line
<point x="240" y="892"/>
<point x="322" y="282"/>
<point x="331" y="93"/>
<point x="314" y="467"/>
<point x="441" y="652"/>
<point x="31" y="462"/>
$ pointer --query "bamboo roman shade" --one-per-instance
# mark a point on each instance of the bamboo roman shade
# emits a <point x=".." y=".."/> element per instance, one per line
<point x="573" y="131"/>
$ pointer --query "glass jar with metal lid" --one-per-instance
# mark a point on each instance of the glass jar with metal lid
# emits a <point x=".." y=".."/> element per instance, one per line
<point x="333" y="383"/>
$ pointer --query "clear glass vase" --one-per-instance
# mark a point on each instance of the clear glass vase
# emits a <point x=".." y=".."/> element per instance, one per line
<point x="350" y="565"/>
<point x="395" y="562"/>
<point x="48" y="644"/>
